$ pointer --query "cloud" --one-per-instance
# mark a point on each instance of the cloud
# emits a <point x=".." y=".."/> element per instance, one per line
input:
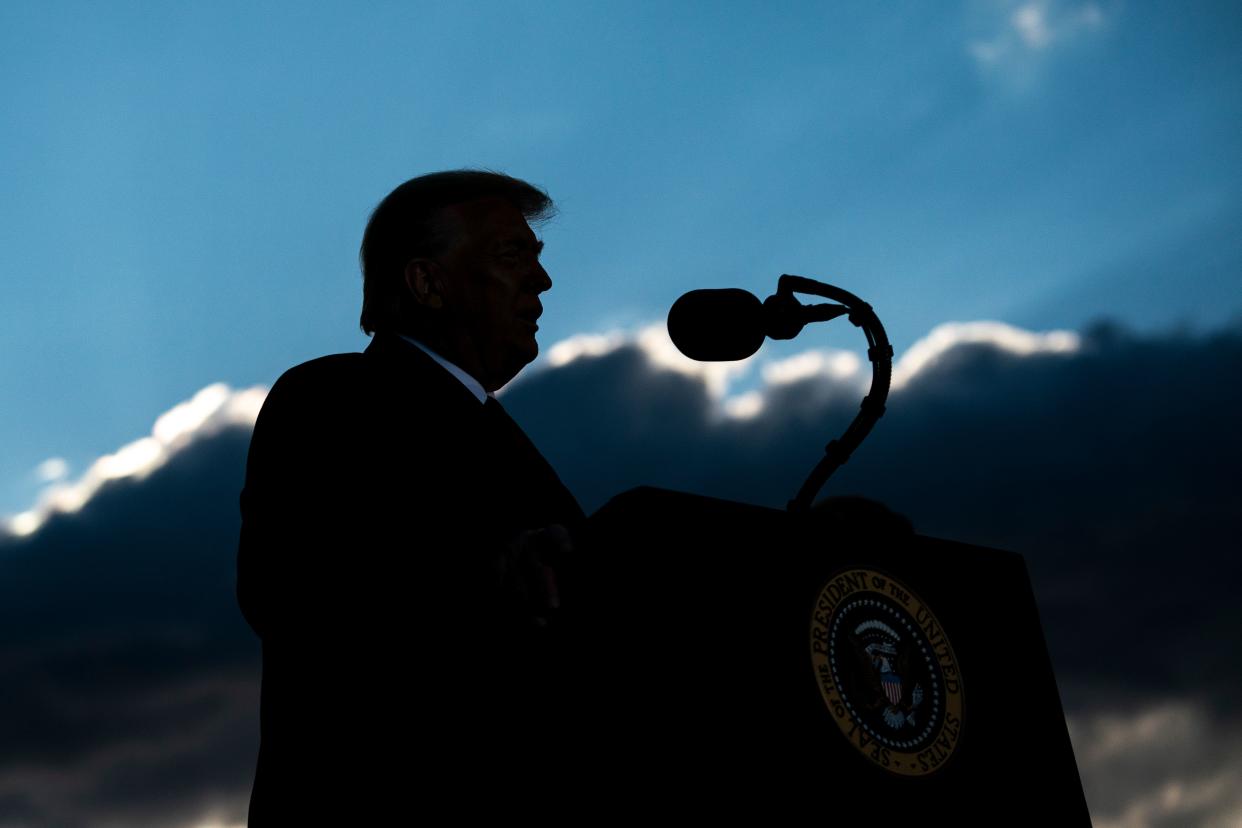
<point x="997" y="335"/>
<point x="217" y="406"/>
<point x="653" y="341"/>
<point x="213" y="408"/>
<point x="844" y="370"/>
<point x="1167" y="764"/>
<point x="52" y="469"/>
<point x="128" y="680"/>
<point x="1039" y="24"/>
<point x="1029" y="30"/>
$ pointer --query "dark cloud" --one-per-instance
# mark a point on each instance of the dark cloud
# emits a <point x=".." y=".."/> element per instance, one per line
<point x="1111" y="468"/>
<point x="128" y="680"/>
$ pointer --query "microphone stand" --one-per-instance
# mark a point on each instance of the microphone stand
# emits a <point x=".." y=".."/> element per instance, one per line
<point x="787" y="316"/>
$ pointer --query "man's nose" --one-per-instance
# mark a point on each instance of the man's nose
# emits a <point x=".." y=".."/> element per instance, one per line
<point x="542" y="280"/>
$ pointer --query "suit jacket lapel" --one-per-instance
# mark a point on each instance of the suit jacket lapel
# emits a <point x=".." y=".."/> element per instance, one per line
<point x="506" y="454"/>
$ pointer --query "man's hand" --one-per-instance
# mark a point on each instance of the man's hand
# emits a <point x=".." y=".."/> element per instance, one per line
<point x="528" y="569"/>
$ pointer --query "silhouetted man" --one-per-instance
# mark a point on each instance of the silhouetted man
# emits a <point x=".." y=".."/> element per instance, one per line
<point x="395" y="530"/>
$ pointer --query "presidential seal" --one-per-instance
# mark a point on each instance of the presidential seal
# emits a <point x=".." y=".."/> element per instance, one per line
<point x="887" y="672"/>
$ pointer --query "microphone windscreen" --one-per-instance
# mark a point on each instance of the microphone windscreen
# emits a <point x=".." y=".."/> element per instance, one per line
<point x="717" y="325"/>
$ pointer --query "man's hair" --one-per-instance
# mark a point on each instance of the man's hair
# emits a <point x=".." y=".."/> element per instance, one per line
<point x="409" y="223"/>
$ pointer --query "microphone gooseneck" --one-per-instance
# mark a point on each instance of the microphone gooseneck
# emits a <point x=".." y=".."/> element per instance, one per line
<point x="871" y="409"/>
<point x="731" y="324"/>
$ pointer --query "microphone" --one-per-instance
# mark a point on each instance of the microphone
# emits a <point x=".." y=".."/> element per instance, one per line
<point x="717" y="325"/>
<point x="729" y="324"/>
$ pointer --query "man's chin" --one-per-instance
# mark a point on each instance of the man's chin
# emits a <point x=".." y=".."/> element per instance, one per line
<point x="527" y="346"/>
<point x="520" y="354"/>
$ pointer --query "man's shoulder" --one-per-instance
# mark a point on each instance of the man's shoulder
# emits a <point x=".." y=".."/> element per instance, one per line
<point x="318" y="390"/>
<point x="323" y="373"/>
<point x="346" y="385"/>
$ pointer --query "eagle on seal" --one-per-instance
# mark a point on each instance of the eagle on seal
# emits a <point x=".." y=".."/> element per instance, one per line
<point x="886" y="669"/>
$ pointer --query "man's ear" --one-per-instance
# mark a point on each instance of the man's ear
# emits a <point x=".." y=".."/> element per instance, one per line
<point x="422" y="280"/>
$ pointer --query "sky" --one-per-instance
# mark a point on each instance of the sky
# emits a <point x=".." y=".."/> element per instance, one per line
<point x="1038" y="198"/>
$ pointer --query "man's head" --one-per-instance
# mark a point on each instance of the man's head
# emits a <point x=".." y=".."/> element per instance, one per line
<point x="450" y="258"/>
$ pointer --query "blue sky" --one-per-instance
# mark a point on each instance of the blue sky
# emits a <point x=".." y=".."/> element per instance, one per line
<point x="187" y="183"/>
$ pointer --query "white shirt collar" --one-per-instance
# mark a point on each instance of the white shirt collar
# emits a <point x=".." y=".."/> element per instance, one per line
<point x="472" y="385"/>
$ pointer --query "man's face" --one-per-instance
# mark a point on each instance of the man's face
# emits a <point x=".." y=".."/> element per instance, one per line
<point x="492" y="279"/>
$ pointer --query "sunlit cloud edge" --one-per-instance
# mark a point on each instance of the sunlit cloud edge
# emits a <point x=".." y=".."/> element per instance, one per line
<point x="218" y="406"/>
<point x="210" y="410"/>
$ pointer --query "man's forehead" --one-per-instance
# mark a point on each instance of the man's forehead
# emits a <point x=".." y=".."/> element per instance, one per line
<point x="491" y="219"/>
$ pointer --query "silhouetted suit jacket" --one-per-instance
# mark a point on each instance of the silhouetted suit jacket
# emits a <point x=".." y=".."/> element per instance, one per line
<point x="398" y="672"/>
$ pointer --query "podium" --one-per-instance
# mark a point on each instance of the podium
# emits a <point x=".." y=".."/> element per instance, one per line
<point x="730" y="660"/>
